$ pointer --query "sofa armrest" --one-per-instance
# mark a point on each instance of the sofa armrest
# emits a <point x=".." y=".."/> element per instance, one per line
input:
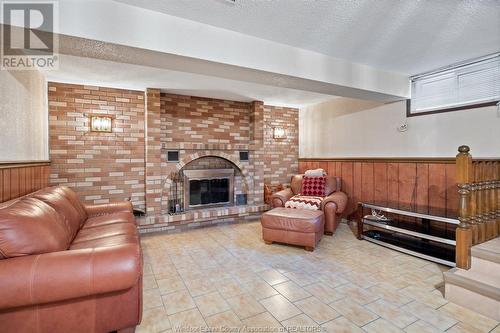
<point x="66" y="275"/>
<point x="114" y="207"/>
<point x="279" y="199"/>
<point x="338" y="198"/>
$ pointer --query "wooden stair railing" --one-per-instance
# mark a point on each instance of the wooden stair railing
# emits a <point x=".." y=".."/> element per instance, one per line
<point x="478" y="209"/>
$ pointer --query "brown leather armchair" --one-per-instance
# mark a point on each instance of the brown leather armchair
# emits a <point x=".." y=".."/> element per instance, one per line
<point x="332" y="205"/>
<point x="68" y="267"/>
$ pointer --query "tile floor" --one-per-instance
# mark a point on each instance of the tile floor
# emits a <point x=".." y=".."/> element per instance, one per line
<point x="225" y="278"/>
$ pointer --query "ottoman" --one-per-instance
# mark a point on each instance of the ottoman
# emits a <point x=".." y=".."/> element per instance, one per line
<point x="303" y="227"/>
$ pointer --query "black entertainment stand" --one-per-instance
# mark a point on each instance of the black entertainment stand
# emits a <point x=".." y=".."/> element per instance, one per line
<point x="426" y="236"/>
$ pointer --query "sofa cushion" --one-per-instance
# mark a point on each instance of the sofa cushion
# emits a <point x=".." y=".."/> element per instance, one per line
<point x="100" y="220"/>
<point x="109" y="208"/>
<point x="69" y="277"/>
<point x="30" y="226"/>
<point x="313" y="186"/>
<point x="304" y="202"/>
<point x="106" y="242"/>
<point x="105" y="235"/>
<point x="73" y="198"/>
<point x="103" y="231"/>
<point x="57" y="200"/>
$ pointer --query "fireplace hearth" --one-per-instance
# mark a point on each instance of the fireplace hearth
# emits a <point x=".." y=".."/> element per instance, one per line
<point x="208" y="188"/>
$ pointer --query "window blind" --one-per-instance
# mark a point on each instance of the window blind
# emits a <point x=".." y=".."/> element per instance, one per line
<point x="473" y="82"/>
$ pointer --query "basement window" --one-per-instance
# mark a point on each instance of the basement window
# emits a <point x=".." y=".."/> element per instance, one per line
<point x="471" y="84"/>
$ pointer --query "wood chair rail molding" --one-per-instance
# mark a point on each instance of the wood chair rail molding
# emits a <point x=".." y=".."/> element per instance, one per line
<point x="447" y="160"/>
<point x="22" y="164"/>
<point x="19" y="178"/>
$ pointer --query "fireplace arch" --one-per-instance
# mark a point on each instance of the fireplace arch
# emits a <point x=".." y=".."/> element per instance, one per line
<point x="242" y="184"/>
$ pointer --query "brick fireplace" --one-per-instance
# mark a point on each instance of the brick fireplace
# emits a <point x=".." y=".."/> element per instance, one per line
<point x="132" y="161"/>
<point x="196" y="175"/>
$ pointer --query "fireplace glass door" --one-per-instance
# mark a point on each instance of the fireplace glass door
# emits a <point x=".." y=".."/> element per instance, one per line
<point x="208" y="188"/>
<point x="208" y="191"/>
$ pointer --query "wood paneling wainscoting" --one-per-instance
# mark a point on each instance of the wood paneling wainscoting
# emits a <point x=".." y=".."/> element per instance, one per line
<point x="21" y="178"/>
<point x="429" y="184"/>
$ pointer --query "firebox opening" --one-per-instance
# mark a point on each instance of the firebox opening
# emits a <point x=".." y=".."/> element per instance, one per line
<point x="208" y="191"/>
<point x="208" y="188"/>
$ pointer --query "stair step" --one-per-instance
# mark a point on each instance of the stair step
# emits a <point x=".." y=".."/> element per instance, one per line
<point x="484" y="270"/>
<point x="478" y="288"/>
<point x="489" y="251"/>
<point x="474" y="291"/>
<point x="486" y="285"/>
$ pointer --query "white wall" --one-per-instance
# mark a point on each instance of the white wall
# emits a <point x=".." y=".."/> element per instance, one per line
<point x="353" y="128"/>
<point x="23" y="116"/>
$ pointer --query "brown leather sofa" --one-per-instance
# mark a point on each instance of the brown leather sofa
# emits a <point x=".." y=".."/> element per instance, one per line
<point x="68" y="267"/>
<point x="332" y="205"/>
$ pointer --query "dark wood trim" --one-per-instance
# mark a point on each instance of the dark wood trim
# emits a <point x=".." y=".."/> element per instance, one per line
<point x="381" y="159"/>
<point x="457" y="108"/>
<point x="444" y="160"/>
<point x="22" y="164"/>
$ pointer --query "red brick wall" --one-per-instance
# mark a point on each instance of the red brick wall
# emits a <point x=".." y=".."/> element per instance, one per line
<point x="153" y="152"/>
<point x="258" y="152"/>
<point x="130" y="162"/>
<point x="204" y="120"/>
<point x="195" y="124"/>
<point x="281" y="155"/>
<point x="201" y="127"/>
<point x="101" y="167"/>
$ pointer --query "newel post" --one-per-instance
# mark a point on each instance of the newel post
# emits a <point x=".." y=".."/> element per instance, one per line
<point x="463" y="232"/>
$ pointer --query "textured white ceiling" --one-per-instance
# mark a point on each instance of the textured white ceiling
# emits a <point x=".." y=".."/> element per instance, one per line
<point x="407" y="36"/>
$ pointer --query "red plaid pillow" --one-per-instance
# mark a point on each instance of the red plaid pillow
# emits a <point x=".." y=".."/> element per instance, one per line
<point x="313" y="186"/>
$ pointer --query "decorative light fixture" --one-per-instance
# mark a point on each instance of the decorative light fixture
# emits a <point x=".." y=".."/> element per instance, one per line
<point x="101" y="124"/>
<point x="279" y="133"/>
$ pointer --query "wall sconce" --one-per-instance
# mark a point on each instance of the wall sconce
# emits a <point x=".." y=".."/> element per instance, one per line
<point x="279" y="133"/>
<point x="100" y="124"/>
